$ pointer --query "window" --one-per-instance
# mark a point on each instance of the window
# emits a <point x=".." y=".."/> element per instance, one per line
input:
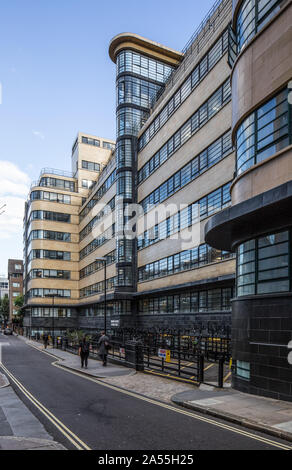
<point x="49" y="254"/>
<point x="243" y="370"/>
<point x="187" y="302"/>
<point x="189" y="259"/>
<point x="263" y="265"/>
<point x="89" y="141"/>
<point x="264" y="133"/>
<point x="124" y="153"/>
<point x="58" y="183"/>
<point x="201" y="209"/>
<point x="90" y="166"/>
<point x="97" y="242"/>
<point x="87" y="184"/>
<point x="53" y="216"/>
<point x="136" y="91"/>
<point x="98" y="288"/>
<point x="98" y="195"/>
<point x="130" y="121"/>
<point x="212" y="106"/>
<point x="49" y="273"/>
<point x="202" y="162"/>
<point x="49" y="235"/>
<point x="108" y="145"/>
<point x="49" y="293"/>
<point x="48" y="196"/>
<point x="108" y="208"/>
<point x="128" y="61"/>
<point x="252" y="16"/>
<point x="192" y="81"/>
<point x="125" y="185"/>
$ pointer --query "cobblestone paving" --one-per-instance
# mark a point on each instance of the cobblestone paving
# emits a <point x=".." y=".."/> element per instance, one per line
<point x="151" y="386"/>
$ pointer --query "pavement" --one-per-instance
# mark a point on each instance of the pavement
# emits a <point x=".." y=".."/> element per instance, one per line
<point x="263" y="415"/>
<point x="19" y="428"/>
<point x="273" y="417"/>
<point x="99" y="415"/>
<point x="72" y="361"/>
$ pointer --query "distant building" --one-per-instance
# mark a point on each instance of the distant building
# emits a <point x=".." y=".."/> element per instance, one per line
<point x="4" y="289"/>
<point x="15" y="277"/>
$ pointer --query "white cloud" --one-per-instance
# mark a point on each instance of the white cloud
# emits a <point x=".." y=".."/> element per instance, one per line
<point x="14" y="188"/>
<point x="13" y="181"/>
<point x="39" y="134"/>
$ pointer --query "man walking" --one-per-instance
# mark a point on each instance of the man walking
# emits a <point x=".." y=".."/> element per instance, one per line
<point x="84" y="352"/>
<point x="45" y="340"/>
<point x="104" y="347"/>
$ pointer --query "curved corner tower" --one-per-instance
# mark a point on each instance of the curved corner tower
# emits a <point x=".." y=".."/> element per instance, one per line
<point x="258" y="226"/>
<point x="143" y="67"/>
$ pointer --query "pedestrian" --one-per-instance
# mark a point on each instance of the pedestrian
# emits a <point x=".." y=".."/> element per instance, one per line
<point x="45" y="340"/>
<point x="84" y="352"/>
<point x="104" y="347"/>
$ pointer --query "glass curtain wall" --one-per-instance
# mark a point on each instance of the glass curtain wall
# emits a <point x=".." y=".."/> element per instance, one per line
<point x="139" y="79"/>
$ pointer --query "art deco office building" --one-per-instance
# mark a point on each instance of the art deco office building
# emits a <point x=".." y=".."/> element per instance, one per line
<point x="52" y="242"/>
<point x="258" y="225"/>
<point x="15" y="277"/>
<point x="174" y="157"/>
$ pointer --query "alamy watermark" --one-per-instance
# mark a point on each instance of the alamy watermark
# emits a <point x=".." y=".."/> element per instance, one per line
<point x="290" y="354"/>
<point x="179" y="222"/>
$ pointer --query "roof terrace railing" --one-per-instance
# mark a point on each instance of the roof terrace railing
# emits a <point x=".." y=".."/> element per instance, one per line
<point x="196" y="43"/>
<point x="200" y="28"/>
<point x="52" y="171"/>
<point x="107" y="169"/>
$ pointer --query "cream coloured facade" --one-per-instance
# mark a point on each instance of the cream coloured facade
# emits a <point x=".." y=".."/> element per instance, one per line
<point x="173" y="149"/>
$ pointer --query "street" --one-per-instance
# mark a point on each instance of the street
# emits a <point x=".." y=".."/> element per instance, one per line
<point x="81" y="412"/>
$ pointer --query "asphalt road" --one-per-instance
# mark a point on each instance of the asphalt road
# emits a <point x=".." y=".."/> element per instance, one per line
<point x="104" y="418"/>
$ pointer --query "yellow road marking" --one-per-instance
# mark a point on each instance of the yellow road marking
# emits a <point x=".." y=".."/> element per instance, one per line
<point x="227" y="376"/>
<point x="178" y="379"/>
<point x="177" y="410"/>
<point x="78" y="443"/>
<point x="209" y="367"/>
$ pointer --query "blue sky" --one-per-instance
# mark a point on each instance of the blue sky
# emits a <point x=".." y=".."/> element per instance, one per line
<point x="57" y="79"/>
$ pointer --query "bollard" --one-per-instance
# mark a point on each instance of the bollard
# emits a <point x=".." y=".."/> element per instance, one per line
<point x="134" y="355"/>
<point x="221" y="372"/>
<point x="201" y="368"/>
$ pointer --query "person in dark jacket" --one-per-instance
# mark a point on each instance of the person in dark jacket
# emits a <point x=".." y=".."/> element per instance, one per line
<point x="84" y="352"/>
<point x="104" y="346"/>
<point x="45" y="340"/>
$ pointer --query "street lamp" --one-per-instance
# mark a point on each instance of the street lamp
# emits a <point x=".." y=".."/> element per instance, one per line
<point x="104" y="260"/>
<point x="53" y="318"/>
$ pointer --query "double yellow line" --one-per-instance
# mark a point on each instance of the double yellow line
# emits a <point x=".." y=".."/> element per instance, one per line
<point x="189" y="414"/>
<point x="78" y="443"/>
<point x="82" y="446"/>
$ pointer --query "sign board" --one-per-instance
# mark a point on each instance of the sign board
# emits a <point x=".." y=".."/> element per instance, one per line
<point x="164" y="354"/>
<point x="115" y="323"/>
<point x="122" y="350"/>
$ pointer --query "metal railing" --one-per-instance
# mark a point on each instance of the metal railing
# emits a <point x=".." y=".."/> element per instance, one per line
<point x="203" y="34"/>
<point x="107" y="169"/>
<point x="202" y="25"/>
<point x="52" y="171"/>
<point x="177" y="355"/>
